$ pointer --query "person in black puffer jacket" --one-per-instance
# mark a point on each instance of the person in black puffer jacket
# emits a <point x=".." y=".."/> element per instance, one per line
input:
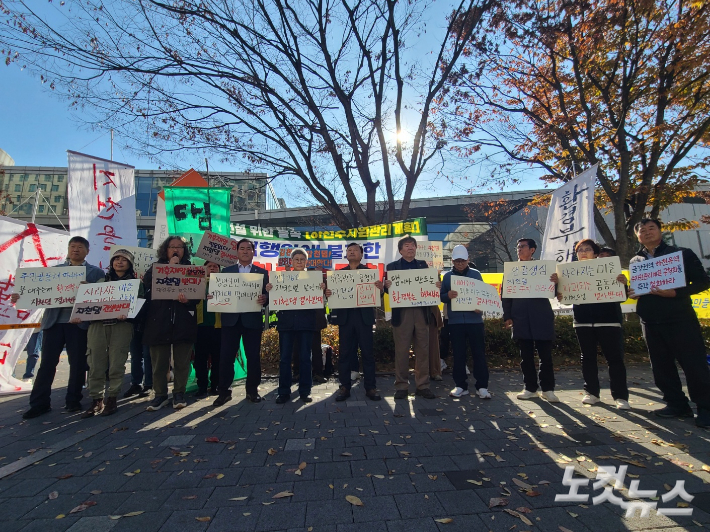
<point x="170" y="326"/>
<point x="599" y="324"/>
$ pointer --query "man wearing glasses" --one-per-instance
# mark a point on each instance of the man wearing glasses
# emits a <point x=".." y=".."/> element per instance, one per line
<point x="533" y="324"/>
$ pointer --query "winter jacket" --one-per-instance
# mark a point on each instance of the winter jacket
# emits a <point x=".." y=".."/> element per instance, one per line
<point x="459" y="317"/>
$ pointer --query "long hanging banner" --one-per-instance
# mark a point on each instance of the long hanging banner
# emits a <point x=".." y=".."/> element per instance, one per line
<point x="22" y="245"/>
<point x="102" y="204"/>
<point x="193" y="210"/>
<point x="570" y="217"/>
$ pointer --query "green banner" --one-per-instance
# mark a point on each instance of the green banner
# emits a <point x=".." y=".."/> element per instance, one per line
<point x="193" y="210"/>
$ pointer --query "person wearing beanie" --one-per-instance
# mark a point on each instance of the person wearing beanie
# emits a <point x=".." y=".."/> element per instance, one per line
<point x="108" y="342"/>
<point x="465" y="330"/>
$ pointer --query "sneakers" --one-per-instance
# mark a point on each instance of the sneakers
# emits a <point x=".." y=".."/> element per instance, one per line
<point x="135" y="389"/>
<point x="354" y="375"/>
<point x="36" y="411"/>
<point x="96" y="407"/>
<point x="146" y="391"/>
<point x="550" y="397"/>
<point x="671" y="412"/>
<point x="179" y="401"/>
<point x="343" y="394"/>
<point x="157" y="403"/>
<point x="483" y="393"/>
<point x="426" y="393"/>
<point x="401" y="394"/>
<point x="527" y="394"/>
<point x="281" y="399"/>
<point x="443" y="364"/>
<point x="26" y="379"/>
<point x="623" y="404"/>
<point x="458" y="392"/>
<point x="590" y="399"/>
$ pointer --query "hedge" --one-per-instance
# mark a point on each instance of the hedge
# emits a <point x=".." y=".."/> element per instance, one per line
<point x="501" y="351"/>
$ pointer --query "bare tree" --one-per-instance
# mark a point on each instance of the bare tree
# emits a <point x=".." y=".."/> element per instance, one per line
<point x="316" y="89"/>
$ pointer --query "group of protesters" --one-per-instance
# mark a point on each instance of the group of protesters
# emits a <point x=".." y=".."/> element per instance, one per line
<point x="163" y="336"/>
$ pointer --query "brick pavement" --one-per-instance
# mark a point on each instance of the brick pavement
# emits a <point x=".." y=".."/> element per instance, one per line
<point x="410" y="463"/>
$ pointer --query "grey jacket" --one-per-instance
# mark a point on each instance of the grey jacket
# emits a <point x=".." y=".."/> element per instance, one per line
<point x="94" y="274"/>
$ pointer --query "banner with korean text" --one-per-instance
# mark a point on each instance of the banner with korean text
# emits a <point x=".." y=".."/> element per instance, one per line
<point x="570" y="217"/>
<point x="667" y="271"/>
<point x="414" y="288"/>
<point x="189" y="179"/>
<point x="528" y="279"/>
<point x="590" y="281"/>
<point x="353" y="288"/>
<point x="235" y="292"/>
<point x="112" y="291"/>
<point x="171" y="280"/>
<point x="48" y="287"/>
<point x="191" y="211"/>
<point x="295" y="290"/>
<point x="475" y="295"/>
<point x="102" y="204"/>
<point x="379" y="242"/>
<point x="219" y="249"/>
<point x="22" y="245"/>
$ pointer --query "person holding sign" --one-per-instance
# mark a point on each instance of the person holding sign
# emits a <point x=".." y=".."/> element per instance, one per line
<point x="108" y="344"/>
<point x="411" y="326"/>
<point x="242" y="327"/>
<point x="599" y="324"/>
<point x="533" y="324"/>
<point x="296" y="327"/>
<point x="170" y="326"/>
<point x="465" y="330"/>
<point x="355" y="328"/>
<point x="671" y="329"/>
<point x="58" y="333"/>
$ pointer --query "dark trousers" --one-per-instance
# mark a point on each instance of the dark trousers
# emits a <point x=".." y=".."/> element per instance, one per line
<point x="681" y="341"/>
<point x="141" y="365"/>
<point x="527" y="364"/>
<point x="316" y="356"/>
<point x="444" y="340"/>
<point x="611" y="340"/>
<point x="34" y="347"/>
<point x="231" y="338"/>
<point x="353" y="334"/>
<point x="208" y="347"/>
<point x="302" y="340"/>
<point x="463" y="336"/>
<point x="54" y="340"/>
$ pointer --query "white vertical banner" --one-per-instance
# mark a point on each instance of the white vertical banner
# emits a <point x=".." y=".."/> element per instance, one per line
<point x="22" y="245"/>
<point x="161" y="223"/>
<point x="570" y="217"/>
<point x="102" y="204"/>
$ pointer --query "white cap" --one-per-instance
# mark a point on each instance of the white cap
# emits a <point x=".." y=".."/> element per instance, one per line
<point x="459" y="252"/>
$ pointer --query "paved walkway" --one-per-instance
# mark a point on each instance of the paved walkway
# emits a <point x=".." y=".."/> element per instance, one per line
<point x="409" y="466"/>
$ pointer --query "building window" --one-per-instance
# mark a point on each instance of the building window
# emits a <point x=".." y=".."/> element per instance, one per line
<point x="55" y="188"/>
<point x="18" y="198"/>
<point x="40" y="208"/>
<point x="32" y="188"/>
<point x="48" y="178"/>
<point x="57" y="199"/>
<point x="60" y="178"/>
<point x="42" y="187"/>
<point x="18" y="188"/>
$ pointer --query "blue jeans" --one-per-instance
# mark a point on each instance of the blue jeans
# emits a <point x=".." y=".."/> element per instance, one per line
<point x="140" y="359"/>
<point x="34" y="347"/>
<point x="302" y="339"/>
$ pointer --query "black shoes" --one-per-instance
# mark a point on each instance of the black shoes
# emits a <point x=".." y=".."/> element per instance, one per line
<point x="306" y="399"/>
<point x="426" y="393"/>
<point x="221" y="399"/>
<point x="72" y="407"/>
<point x="36" y="411"/>
<point x="671" y="412"/>
<point x="135" y="389"/>
<point x="372" y="395"/>
<point x="319" y="379"/>
<point x="282" y="399"/>
<point x="201" y="394"/>
<point x="254" y="397"/>
<point x="343" y="394"/>
<point x="401" y="394"/>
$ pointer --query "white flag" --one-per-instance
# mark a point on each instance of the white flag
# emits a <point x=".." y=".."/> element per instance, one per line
<point x="570" y="218"/>
<point x="22" y="245"/>
<point x="102" y="204"/>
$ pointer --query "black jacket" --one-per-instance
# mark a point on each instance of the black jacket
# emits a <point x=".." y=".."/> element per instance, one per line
<point x="341" y="316"/>
<point x="397" y="312"/>
<point x="250" y="320"/>
<point x="598" y="313"/>
<point x="657" y="309"/>
<point x="168" y="321"/>
<point x="533" y="319"/>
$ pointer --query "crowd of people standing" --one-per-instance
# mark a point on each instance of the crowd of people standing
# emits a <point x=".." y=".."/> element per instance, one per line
<point x="163" y="336"/>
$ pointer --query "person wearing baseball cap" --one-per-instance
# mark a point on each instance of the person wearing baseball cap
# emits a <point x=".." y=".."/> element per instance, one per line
<point x="465" y="330"/>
